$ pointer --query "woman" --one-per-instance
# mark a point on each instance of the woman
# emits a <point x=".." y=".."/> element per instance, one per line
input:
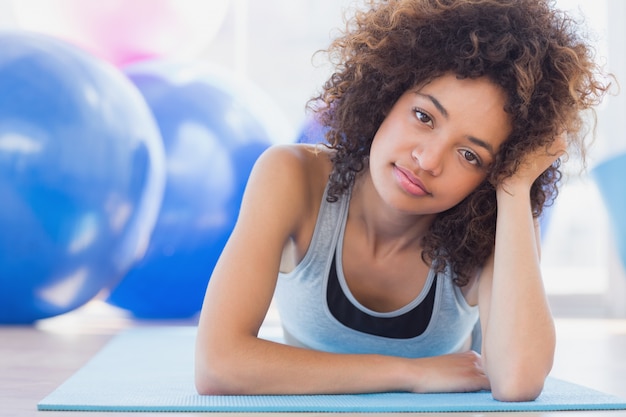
<point x="383" y="249"/>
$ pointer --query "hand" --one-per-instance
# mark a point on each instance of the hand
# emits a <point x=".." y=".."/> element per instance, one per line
<point x="535" y="163"/>
<point x="457" y="372"/>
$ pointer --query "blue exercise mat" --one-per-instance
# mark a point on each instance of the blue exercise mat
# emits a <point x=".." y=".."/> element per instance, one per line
<point x="151" y="369"/>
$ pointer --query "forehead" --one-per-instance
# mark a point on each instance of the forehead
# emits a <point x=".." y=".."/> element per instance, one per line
<point x="481" y="87"/>
<point x="474" y="105"/>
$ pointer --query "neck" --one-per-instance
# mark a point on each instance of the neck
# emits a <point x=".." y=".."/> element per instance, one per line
<point x="385" y="229"/>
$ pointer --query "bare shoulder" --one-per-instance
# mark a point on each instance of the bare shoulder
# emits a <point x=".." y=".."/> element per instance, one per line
<point x="298" y="156"/>
<point x="297" y="171"/>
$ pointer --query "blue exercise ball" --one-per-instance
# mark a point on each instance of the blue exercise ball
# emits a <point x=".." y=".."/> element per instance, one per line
<point x="312" y="132"/>
<point x="82" y="174"/>
<point x="609" y="176"/>
<point x="212" y="139"/>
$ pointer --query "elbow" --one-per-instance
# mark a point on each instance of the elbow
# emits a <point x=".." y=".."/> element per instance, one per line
<point x="519" y="386"/>
<point x="212" y="380"/>
<point x="521" y="379"/>
<point x="520" y="382"/>
<point x="216" y="374"/>
<point x="206" y="385"/>
<point x="209" y="381"/>
<point x="517" y="391"/>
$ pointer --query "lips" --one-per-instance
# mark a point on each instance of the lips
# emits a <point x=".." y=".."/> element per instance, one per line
<point x="409" y="182"/>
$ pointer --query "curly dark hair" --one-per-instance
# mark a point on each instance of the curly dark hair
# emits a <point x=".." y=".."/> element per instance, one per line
<point x="534" y="52"/>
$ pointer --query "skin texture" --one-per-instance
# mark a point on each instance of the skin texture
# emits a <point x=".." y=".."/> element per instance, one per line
<point x="534" y="52"/>
<point x="447" y="120"/>
<point x="382" y="261"/>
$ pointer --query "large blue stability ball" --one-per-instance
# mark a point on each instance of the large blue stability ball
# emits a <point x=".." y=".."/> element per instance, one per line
<point x="609" y="176"/>
<point x="81" y="176"/>
<point x="212" y="139"/>
<point x="312" y="132"/>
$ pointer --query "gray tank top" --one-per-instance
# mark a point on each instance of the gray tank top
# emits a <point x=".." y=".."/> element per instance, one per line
<point x="438" y="321"/>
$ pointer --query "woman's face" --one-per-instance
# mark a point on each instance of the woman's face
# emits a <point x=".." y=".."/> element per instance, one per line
<point x="437" y="143"/>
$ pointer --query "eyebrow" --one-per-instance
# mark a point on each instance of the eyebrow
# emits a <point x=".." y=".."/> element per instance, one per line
<point x="482" y="143"/>
<point x="444" y="112"/>
<point x="436" y="103"/>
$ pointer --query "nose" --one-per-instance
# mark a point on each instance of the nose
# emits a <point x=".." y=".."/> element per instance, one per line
<point x="429" y="158"/>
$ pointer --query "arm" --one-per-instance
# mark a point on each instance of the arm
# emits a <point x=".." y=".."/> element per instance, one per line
<point x="231" y="359"/>
<point x="518" y="329"/>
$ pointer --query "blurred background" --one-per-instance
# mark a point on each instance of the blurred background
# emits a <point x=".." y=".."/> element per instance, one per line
<point x="259" y="56"/>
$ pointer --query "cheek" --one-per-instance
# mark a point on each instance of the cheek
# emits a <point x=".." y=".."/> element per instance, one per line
<point x="468" y="185"/>
<point x="379" y="149"/>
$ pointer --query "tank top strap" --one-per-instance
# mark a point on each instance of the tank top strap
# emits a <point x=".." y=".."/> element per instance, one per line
<point x="329" y="224"/>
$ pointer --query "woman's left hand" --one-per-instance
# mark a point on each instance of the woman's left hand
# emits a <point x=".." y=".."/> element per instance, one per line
<point x="536" y="162"/>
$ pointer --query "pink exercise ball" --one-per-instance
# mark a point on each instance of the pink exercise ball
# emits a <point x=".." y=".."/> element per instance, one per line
<point x="122" y="31"/>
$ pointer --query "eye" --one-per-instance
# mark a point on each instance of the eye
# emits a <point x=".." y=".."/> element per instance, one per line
<point x="471" y="157"/>
<point x="423" y="117"/>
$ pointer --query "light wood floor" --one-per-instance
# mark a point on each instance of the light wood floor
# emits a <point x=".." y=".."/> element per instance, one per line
<point x="34" y="360"/>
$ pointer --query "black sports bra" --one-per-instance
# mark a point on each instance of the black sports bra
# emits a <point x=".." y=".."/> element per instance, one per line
<point x="403" y="326"/>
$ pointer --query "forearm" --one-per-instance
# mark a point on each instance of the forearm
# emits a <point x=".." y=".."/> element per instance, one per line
<point x="519" y="336"/>
<point x="255" y="366"/>
<point x="258" y="366"/>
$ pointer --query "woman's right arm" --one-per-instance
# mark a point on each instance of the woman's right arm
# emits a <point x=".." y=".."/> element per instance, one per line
<point x="231" y="359"/>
